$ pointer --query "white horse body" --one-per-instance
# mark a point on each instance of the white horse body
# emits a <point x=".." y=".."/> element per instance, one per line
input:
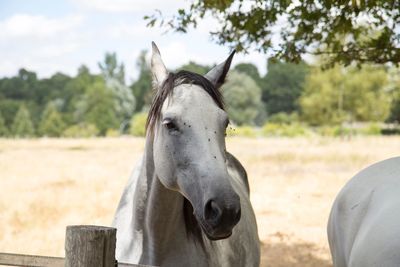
<point x="187" y="202"/>
<point x="364" y="224"/>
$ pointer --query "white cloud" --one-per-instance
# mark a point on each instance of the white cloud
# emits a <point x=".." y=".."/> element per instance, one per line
<point x="47" y="44"/>
<point x="129" y="30"/>
<point x="23" y="25"/>
<point x="56" y="50"/>
<point x="256" y="58"/>
<point x="177" y="53"/>
<point x="39" y="43"/>
<point x="123" y="6"/>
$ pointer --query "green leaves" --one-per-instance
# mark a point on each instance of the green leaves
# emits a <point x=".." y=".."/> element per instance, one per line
<point x="242" y="97"/>
<point x="338" y="29"/>
<point x="341" y="95"/>
<point x="22" y="125"/>
<point x="51" y="123"/>
<point x="3" y="128"/>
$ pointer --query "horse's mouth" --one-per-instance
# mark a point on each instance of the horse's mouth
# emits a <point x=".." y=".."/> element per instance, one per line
<point x="213" y="234"/>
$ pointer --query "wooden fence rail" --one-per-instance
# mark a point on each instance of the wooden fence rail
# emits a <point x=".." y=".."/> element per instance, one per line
<point x="85" y="246"/>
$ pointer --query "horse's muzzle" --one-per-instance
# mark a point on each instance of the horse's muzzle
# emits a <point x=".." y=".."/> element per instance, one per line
<point x="219" y="217"/>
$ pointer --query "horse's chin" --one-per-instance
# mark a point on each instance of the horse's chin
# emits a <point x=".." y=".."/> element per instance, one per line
<point x="219" y="237"/>
<point x="211" y="233"/>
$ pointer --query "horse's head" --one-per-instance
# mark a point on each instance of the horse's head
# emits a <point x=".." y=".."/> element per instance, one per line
<point x="188" y="124"/>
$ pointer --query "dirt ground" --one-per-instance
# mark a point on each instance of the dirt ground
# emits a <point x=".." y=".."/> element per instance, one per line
<point x="47" y="184"/>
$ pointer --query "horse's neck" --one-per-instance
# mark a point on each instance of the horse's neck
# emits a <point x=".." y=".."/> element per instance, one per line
<point x="162" y="219"/>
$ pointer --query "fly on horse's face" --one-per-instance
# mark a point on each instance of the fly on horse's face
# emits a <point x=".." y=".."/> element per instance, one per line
<point x="189" y="148"/>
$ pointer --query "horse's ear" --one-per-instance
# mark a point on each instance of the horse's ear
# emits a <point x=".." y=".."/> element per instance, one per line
<point x="158" y="69"/>
<point x="217" y="74"/>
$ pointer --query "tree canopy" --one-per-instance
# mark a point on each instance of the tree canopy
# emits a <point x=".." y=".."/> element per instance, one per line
<point x="90" y="104"/>
<point x="242" y="97"/>
<point x="22" y="125"/>
<point x="51" y="123"/>
<point x="345" y="95"/>
<point x="282" y="86"/>
<point x="3" y="128"/>
<point x="290" y="29"/>
<point x="141" y="88"/>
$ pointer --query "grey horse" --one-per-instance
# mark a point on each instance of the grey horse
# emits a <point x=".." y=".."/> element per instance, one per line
<point x="364" y="224"/>
<point x="187" y="201"/>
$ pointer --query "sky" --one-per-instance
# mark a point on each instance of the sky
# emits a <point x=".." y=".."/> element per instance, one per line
<point x="48" y="36"/>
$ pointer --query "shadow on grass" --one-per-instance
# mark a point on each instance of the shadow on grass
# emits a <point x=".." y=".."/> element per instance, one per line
<point x="281" y="254"/>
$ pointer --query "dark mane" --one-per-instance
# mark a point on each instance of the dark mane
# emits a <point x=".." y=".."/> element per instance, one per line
<point x="166" y="89"/>
<point x="193" y="229"/>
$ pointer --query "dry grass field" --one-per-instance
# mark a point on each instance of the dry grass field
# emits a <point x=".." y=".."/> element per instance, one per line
<point x="47" y="184"/>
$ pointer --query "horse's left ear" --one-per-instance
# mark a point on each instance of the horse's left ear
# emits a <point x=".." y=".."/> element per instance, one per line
<point x="158" y="68"/>
<point x="217" y="74"/>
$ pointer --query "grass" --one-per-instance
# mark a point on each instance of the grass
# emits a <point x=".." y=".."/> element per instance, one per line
<point x="50" y="183"/>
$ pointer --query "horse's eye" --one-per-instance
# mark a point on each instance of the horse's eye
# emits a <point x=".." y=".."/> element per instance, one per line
<point x="170" y="125"/>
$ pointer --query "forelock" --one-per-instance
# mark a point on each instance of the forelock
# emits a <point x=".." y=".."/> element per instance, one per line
<point x="166" y="88"/>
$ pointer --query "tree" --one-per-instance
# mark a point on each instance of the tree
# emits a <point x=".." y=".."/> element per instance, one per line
<point x="242" y="97"/>
<point x="196" y="68"/>
<point x="282" y="86"/>
<point x="251" y="70"/>
<point x="114" y="75"/>
<point x="394" y="84"/>
<point x="3" y="128"/>
<point x="345" y="95"/>
<point x="52" y="88"/>
<point x="138" y="124"/>
<point x="124" y="101"/>
<point x="51" y="123"/>
<point x="22" y="125"/>
<point x="20" y="87"/>
<point x="97" y="108"/>
<point x="334" y="28"/>
<point x="142" y="87"/>
<point x="9" y="109"/>
<point x="75" y="91"/>
<point x="110" y="68"/>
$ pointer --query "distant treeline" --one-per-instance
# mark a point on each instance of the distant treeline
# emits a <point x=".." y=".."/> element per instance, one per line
<point x="103" y="104"/>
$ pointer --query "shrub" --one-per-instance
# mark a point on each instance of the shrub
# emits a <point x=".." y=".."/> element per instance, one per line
<point x="348" y="130"/>
<point x="283" y="118"/>
<point x="138" y="124"/>
<point x="328" y="130"/>
<point x="245" y="131"/>
<point x="81" y="130"/>
<point x="287" y="130"/>
<point x="112" y="133"/>
<point x="390" y="129"/>
<point x="371" y="129"/>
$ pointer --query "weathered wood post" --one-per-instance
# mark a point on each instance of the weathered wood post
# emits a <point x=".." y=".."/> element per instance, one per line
<point x="90" y="246"/>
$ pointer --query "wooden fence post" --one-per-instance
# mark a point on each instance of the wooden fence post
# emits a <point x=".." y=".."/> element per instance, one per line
<point x="90" y="246"/>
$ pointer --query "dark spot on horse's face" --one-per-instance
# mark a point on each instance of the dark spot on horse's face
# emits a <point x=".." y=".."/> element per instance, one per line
<point x="184" y="123"/>
<point x="208" y="139"/>
<point x="215" y="157"/>
<point x="190" y="126"/>
<point x="215" y="132"/>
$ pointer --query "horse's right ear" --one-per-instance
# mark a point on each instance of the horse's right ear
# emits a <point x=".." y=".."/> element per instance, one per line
<point x="158" y="69"/>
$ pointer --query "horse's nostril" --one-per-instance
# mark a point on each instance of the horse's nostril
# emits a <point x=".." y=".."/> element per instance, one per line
<point x="212" y="212"/>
